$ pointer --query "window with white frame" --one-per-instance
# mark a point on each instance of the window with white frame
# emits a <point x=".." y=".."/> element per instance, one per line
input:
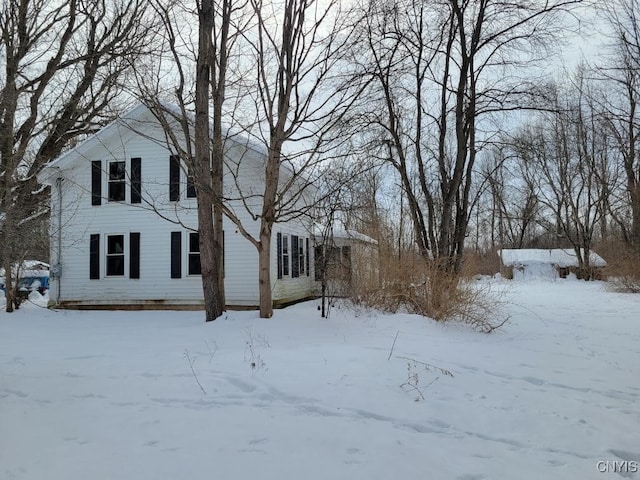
<point x="117" y="181"/>
<point x="115" y="256"/>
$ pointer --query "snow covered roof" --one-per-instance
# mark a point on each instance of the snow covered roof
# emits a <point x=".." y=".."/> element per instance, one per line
<point x="136" y="119"/>
<point x="562" y="257"/>
<point x="340" y="231"/>
<point x="31" y="268"/>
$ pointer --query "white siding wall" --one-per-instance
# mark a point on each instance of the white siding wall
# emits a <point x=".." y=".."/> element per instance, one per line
<point x="80" y="219"/>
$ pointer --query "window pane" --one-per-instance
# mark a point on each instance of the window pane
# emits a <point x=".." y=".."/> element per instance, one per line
<point x="115" y="265"/>
<point x="115" y="244"/>
<point x="194" y="264"/>
<point x="117" y="170"/>
<point x="194" y="242"/>
<point x="191" y="188"/>
<point x="116" y="191"/>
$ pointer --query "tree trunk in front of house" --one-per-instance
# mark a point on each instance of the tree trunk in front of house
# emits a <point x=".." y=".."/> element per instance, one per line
<point x="209" y="242"/>
<point x="218" y="62"/>
<point x="264" y="272"/>
<point x="218" y="244"/>
<point x="268" y="218"/>
<point x="9" y="289"/>
<point x="213" y="304"/>
<point x="9" y="105"/>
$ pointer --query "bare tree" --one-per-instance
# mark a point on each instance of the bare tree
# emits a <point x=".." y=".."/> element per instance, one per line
<point x="208" y="167"/>
<point x="190" y="106"/>
<point x="282" y="66"/>
<point x="440" y="70"/>
<point x="564" y="152"/>
<point x="64" y="65"/>
<point x="622" y="76"/>
<point x="514" y="206"/>
<point x="297" y="51"/>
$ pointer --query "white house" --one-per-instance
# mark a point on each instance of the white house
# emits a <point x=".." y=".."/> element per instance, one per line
<point x="535" y="263"/>
<point x="124" y="225"/>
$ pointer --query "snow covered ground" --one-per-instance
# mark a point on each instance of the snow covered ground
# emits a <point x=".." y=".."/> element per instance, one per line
<point x="116" y="395"/>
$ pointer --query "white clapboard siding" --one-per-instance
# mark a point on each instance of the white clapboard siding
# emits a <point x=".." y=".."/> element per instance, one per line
<point x="141" y="137"/>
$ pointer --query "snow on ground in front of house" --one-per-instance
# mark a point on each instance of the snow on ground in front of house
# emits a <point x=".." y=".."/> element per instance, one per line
<point x="111" y="395"/>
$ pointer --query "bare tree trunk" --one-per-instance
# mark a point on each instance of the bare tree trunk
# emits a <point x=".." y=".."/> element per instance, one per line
<point x="210" y="268"/>
<point x="268" y="217"/>
<point x="219" y="63"/>
<point x="634" y="194"/>
<point x="9" y="289"/>
<point x="264" y="272"/>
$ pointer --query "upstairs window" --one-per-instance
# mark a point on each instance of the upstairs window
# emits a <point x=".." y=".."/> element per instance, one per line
<point x="191" y="186"/>
<point x="117" y="178"/>
<point x="194" y="254"/>
<point x="115" y="255"/>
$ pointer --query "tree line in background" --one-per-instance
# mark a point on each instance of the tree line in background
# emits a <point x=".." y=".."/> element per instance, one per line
<point x="436" y="127"/>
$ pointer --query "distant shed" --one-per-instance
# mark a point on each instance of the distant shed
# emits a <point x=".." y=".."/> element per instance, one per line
<point x="533" y="263"/>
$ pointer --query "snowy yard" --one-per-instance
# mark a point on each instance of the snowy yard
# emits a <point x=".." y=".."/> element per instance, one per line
<point x="112" y="395"/>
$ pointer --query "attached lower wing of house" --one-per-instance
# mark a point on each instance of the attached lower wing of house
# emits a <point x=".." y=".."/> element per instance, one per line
<point x="124" y="225"/>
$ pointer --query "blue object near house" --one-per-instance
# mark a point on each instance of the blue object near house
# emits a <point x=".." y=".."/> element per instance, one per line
<point x="34" y="276"/>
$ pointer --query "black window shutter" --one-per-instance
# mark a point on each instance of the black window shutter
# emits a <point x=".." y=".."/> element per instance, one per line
<point x="174" y="178"/>
<point x="134" y="255"/>
<point x="136" y="180"/>
<point x="96" y="182"/>
<point x="307" y="256"/>
<point x="176" y="254"/>
<point x="94" y="256"/>
<point x="279" y="250"/>
<point x="295" y="258"/>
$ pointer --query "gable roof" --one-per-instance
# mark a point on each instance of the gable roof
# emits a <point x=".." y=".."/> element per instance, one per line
<point x="562" y="257"/>
<point x="340" y="231"/>
<point x="128" y="121"/>
<point x="102" y="136"/>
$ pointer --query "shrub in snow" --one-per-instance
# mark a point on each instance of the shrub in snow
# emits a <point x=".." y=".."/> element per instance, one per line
<point x="624" y="269"/>
<point x="418" y="286"/>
